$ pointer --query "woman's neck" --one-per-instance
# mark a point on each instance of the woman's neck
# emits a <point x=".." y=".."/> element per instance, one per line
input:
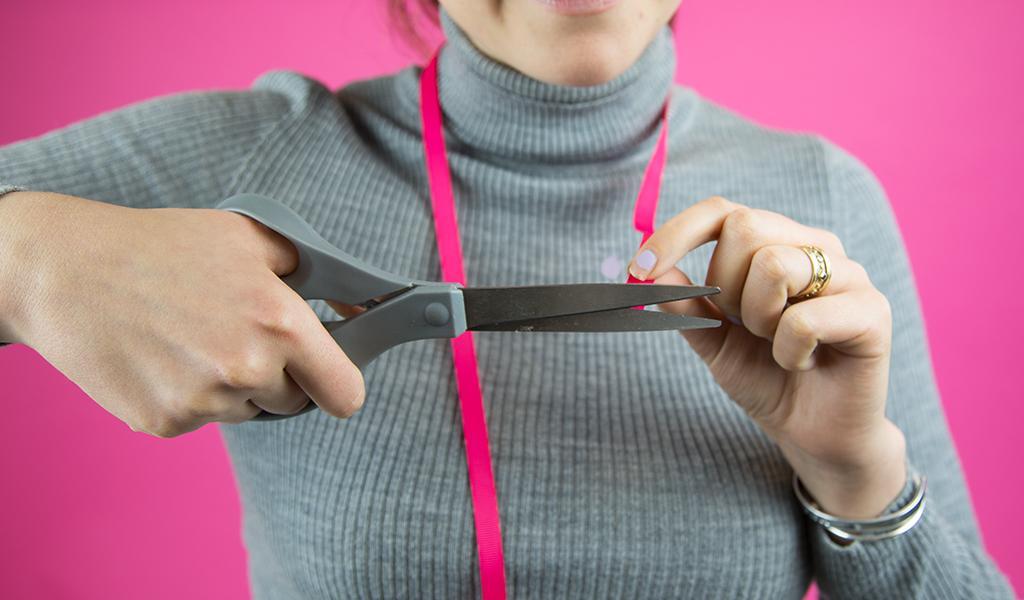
<point x="507" y="115"/>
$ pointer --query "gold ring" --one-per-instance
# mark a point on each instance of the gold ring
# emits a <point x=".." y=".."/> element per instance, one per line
<point x="821" y="273"/>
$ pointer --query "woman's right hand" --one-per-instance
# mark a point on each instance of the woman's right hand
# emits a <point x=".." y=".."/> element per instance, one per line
<point x="168" y="318"/>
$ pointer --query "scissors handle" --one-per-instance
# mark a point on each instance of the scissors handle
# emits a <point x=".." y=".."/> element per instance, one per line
<point x="421" y="313"/>
<point x="427" y="312"/>
<point x="324" y="272"/>
<point x="415" y="309"/>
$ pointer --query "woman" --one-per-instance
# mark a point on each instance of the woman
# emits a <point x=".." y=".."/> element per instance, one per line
<point x="634" y="465"/>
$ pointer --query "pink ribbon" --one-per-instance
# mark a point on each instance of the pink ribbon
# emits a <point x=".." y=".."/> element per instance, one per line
<point x="647" y="199"/>
<point x="474" y="424"/>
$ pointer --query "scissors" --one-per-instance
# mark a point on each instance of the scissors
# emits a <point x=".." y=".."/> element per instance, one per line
<point x="399" y="309"/>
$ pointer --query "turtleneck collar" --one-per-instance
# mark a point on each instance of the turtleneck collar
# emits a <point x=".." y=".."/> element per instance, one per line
<point x="505" y="114"/>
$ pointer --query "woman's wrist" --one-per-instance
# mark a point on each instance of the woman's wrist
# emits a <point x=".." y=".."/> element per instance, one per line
<point x="863" y="486"/>
<point x="20" y="256"/>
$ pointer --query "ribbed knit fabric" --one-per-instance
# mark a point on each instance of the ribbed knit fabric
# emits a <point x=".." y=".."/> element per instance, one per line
<point x="623" y="470"/>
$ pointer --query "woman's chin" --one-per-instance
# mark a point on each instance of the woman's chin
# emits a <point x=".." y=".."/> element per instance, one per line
<point x="567" y="42"/>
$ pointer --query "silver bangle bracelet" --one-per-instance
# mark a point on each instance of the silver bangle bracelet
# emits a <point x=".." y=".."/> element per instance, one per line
<point x="867" y="530"/>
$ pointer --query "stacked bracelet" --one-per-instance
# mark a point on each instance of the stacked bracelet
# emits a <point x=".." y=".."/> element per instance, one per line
<point x="867" y="530"/>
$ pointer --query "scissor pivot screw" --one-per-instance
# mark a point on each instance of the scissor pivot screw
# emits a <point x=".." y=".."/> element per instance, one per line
<point x="436" y="314"/>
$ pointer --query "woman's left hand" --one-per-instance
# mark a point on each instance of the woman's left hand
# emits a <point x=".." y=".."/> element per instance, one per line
<point x="812" y="374"/>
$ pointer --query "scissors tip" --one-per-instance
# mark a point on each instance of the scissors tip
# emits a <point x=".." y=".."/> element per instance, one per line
<point x="705" y="290"/>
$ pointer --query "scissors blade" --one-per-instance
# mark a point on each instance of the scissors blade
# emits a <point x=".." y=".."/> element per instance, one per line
<point x="623" y="319"/>
<point x="499" y="305"/>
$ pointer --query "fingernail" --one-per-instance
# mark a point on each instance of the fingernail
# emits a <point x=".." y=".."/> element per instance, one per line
<point x="643" y="264"/>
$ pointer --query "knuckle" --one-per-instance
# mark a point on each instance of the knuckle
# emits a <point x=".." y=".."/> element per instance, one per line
<point x="796" y="324"/>
<point x="781" y="359"/>
<point x="720" y="203"/>
<point x="277" y="315"/>
<point x="162" y="424"/>
<point x="742" y="224"/>
<point x="755" y="321"/>
<point x="834" y="241"/>
<point x="200" y="408"/>
<point x="857" y="271"/>
<point x="885" y="302"/>
<point x="770" y="264"/>
<point x="242" y="371"/>
<point x="885" y="306"/>
<point x="165" y="431"/>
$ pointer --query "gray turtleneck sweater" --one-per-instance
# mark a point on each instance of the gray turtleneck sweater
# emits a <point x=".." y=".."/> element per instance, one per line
<point x="623" y="470"/>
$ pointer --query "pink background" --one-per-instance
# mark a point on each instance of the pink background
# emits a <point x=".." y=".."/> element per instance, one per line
<point x="927" y="93"/>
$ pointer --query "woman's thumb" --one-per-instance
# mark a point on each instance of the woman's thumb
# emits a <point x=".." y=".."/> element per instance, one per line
<point x="276" y="251"/>
<point x="706" y="342"/>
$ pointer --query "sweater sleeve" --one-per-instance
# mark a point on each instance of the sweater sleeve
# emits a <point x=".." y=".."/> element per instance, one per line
<point x="943" y="555"/>
<point x="179" y="150"/>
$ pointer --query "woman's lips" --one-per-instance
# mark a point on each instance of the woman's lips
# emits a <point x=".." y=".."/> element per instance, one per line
<point x="579" y="7"/>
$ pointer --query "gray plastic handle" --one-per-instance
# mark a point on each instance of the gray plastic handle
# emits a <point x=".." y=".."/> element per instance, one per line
<point x="425" y="310"/>
<point x="324" y="271"/>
